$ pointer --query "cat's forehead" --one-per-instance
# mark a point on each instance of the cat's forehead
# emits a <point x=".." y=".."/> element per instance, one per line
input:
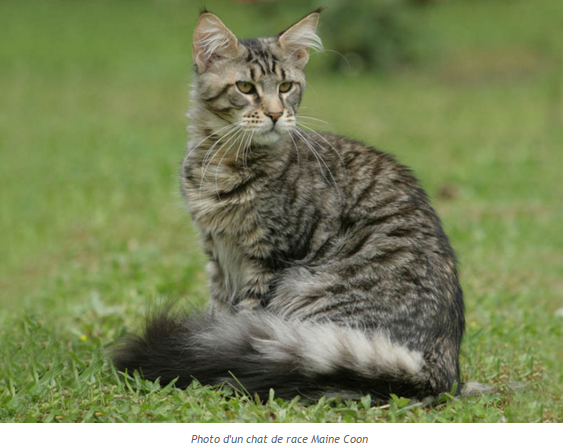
<point x="259" y="47"/>
<point x="265" y="60"/>
<point x="258" y="60"/>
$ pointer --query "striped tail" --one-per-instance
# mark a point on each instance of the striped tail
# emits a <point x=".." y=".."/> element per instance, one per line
<point x="258" y="352"/>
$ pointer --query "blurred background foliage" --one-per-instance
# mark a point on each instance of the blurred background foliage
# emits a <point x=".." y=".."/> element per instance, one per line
<point x="365" y="35"/>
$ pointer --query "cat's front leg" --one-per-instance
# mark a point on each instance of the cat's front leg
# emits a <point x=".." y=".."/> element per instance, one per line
<point x="249" y="291"/>
<point x="221" y="298"/>
<point x="256" y="292"/>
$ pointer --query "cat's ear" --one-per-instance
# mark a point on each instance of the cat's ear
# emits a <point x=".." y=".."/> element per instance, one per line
<point x="300" y="37"/>
<point x="212" y="39"/>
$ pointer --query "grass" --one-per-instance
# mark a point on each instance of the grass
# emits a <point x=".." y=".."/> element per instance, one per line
<point x="92" y="229"/>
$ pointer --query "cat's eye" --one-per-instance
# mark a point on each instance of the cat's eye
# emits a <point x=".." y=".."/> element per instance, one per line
<point x="285" y="87"/>
<point x="246" y="87"/>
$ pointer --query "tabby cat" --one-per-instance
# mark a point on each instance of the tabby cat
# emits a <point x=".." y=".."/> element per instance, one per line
<point x="330" y="273"/>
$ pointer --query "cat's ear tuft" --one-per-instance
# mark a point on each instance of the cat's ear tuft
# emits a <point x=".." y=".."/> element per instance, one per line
<point x="300" y="37"/>
<point x="212" y="39"/>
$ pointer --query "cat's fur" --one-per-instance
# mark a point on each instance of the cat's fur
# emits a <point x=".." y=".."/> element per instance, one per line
<point x="329" y="271"/>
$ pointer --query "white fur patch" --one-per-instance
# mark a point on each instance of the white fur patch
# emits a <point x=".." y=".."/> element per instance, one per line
<point x="324" y="348"/>
<point x="304" y="38"/>
<point x="212" y="41"/>
<point x="302" y="35"/>
<point x="211" y="37"/>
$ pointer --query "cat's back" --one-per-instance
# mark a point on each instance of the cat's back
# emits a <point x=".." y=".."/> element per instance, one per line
<point x="366" y="178"/>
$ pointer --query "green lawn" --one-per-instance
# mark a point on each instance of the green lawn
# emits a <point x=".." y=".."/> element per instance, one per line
<point x="93" y="231"/>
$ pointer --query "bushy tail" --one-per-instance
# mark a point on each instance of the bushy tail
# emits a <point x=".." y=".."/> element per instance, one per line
<point x="259" y="352"/>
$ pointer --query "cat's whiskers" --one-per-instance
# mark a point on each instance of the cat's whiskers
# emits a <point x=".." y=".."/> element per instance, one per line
<point x="306" y="117"/>
<point x="300" y="133"/>
<point x="245" y="134"/>
<point x="232" y="135"/>
<point x="230" y="125"/>
<point x="208" y="153"/>
<point x="207" y="163"/>
<point x="248" y="141"/>
<point x="210" y="150"/>
<point x="247" y="149"/>
<point x="324" y="139"/>
<point x="240" y="137"/>
<point x="197" y="145"/>
<point x="296" y="148"/>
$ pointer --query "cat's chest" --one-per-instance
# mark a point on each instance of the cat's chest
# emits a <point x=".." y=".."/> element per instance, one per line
<point x="220" y="215"/>
<point x="226" y="251"/>
<point x="236" y="256"/>
<point x="222" y="201"/>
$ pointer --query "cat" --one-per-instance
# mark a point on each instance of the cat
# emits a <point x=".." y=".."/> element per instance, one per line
<point x="330" y="273"/>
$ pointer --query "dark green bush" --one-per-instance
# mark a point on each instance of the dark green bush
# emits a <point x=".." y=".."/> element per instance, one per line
<point x="367" y="34"/>
<point x="359" y="35"/>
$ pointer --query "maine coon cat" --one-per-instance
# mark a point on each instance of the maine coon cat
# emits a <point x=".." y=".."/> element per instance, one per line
<point x="329" y="270"/>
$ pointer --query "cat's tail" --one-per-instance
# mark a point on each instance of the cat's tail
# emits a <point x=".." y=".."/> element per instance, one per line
<point x="256" y="352"/>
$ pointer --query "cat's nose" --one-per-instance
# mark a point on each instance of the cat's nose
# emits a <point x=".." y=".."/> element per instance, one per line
<point x="274" y="116"/>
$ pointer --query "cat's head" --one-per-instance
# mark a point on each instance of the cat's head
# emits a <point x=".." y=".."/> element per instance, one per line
<point x="255" y="84"/>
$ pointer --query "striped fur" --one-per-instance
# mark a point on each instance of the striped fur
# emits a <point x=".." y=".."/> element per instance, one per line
<point x="258" y="352"/>
<point x="329" y="270"/>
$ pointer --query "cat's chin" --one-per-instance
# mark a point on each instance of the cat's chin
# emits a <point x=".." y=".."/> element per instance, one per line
<point x="267" y="138"/>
